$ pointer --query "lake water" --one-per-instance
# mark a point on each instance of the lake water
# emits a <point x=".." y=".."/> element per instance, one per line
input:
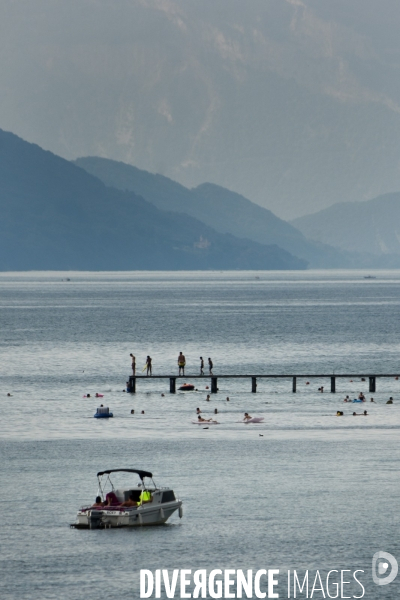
<point x="303" y="490"/>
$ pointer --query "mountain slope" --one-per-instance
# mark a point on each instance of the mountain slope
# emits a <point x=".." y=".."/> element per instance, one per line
<point x="54" y="215"/>
<point x="218" y="207"/>
<point x="292" y="103"/>
<point x="371" y="226"/>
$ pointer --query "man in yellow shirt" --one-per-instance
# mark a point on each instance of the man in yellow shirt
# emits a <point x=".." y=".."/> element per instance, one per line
<point x="145" y="497"/>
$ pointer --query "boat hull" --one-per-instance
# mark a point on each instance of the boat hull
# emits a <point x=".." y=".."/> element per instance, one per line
<point x="138" y="517"/>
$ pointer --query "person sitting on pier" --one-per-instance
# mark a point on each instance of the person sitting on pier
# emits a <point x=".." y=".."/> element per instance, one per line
<point x="130" y="502"/>
<point x="181" y="364"/>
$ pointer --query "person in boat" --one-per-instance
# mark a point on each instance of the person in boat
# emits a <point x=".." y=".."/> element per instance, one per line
<point x="210" y="366"/>
<point x="148" y="365"/>
<point x="130" y="502"/>
<point x="133" y="358"/>
<point x="247" y="417"/>
<point x="145" y="497"/>
<point x="181" y="363"/>
<point x="201" y="420"/>
<point x="98" y="503"/>
<point x="112" y="500"/>
<point x="201" y="366"/>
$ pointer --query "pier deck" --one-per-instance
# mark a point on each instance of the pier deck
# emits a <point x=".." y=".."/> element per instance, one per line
<point x="131" y="384"/>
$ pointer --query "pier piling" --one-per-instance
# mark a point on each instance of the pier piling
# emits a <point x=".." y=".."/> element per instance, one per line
<point x="254" y="384"/>
<point x="214" y="386"/>
<point x="333" y="385"/>
<point x="172" y="385"/>
<point x="294" y="385"/>
<point x="372" y="384"/>
<point x="132" y="384"/>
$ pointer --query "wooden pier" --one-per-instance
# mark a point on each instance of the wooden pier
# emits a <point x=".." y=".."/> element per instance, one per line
<point x="131" y="384"/>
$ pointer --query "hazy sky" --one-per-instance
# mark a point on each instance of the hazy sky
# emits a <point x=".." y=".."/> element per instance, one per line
<point x="293" y="103"/>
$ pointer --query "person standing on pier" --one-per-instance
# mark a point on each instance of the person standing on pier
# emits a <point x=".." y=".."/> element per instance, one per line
<point x="133" y="364"/>
<point x="148" y="365"/>
<point x="201" y="366"/>
<point x="181" y="364"/>
<point x="210" y="365"/>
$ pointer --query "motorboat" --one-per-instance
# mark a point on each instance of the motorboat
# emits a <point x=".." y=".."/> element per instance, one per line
<point x="103" y="412"/>
<point x="153" y="505"/>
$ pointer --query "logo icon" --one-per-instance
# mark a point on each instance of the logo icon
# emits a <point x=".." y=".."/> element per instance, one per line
<point x="380" y="564"/>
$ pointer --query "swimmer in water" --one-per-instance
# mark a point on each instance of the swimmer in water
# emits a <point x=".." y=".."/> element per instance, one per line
<point x="208" y="398"/>
<point x="198" y="411"/>
<point x="372" y="400"/>
<point x="247" y="417"/>
<point x="203" y="420"/>
<point x="390" y="401"/>
<point x="347" y="399"/>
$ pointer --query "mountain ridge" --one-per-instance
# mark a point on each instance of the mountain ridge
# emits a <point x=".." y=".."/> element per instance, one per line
<point x="56" y="216"/>
<point x="223" y="209"/>
<point x="367" y="226"/>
